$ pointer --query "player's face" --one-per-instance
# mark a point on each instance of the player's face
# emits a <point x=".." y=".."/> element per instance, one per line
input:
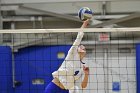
<point x="82" y="50"/>
<point x="83" y="54"/>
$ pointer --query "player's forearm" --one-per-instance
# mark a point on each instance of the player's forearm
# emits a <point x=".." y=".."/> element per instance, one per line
<point x="78" y="39"/>
<point x="75" y="45"/>
<point x="85" y="81"/>
<point x="81" y="33"/>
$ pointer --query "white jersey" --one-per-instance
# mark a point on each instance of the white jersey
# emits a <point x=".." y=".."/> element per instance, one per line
<point x="71" y="68"/>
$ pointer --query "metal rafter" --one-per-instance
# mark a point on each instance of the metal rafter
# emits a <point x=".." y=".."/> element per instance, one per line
<point x="55" y="1"/>
<point x="63" y="16"/>
<point x="115" y="21"/>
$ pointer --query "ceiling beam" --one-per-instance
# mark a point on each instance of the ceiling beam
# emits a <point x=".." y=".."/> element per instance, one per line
<point x="54" y="1"/>
<point x="9" y="8"/>
<point x="63" y="16"/>
<point x="115" y="21"/>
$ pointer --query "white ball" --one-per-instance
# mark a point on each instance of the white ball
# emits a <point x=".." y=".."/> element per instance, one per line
<point x="85" y="13"/>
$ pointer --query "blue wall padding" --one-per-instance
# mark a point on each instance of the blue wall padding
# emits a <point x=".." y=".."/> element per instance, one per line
<point x="138" y="66"/>
<point x="5" y="70"/>
<point x="37" y="62"/>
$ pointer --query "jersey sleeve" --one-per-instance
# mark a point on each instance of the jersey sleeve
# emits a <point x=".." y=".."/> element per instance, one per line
<point x="75" y="45"/>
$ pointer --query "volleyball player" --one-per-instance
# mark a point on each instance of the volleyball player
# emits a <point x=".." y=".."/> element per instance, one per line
<point x="72" y="69"/>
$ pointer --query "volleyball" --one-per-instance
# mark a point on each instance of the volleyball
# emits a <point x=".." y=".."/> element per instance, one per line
<point x="85" y="13"/>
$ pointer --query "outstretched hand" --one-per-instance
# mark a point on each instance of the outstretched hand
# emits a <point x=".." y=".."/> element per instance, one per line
<point x="85" y="23"/>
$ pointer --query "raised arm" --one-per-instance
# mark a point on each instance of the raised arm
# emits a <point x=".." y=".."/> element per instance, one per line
<point x="86" y="76"/>
<point x="79" y="36"/>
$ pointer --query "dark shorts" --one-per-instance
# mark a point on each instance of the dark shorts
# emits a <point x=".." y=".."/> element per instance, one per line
<point x="53" y="88"/>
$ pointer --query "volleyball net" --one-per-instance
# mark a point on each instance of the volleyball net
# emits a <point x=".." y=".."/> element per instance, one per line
<point x="112" y="57"/>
